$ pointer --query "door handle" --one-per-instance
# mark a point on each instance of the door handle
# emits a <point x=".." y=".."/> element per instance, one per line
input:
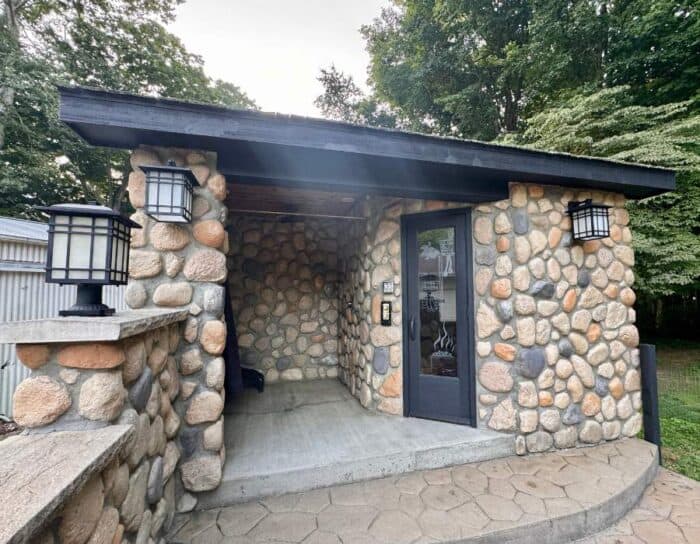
<point x="412" y="328"/>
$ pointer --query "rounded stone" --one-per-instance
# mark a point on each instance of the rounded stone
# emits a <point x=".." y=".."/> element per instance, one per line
<point x="528" y="420"/>
<point x="94" y="355"/>
<point x="572" y="415"/>
<point x="210" y="233"/>
<point x="550" y="420"/>
<point x="169" y="237"/>
<point x="135" y="295"/>
<point x="632" y="426"/>
<point x="173" y="294"/>
<point x="144" y="264"/>
<point x="204" y="407"/>
<point x="206" y="265"/>
<point x="590" y="405"/>
<point x="102" y="396"/>
<point x="81" y="514"/>
<point x="201" y="473"/>
<point x="217" y="186"/>
<point x="215" y="374"/>
<point x="591" y="432"/>
<point x="213" y="337"/>
<point x="538" y="442"/>
<point x="33" y="355"/>
<point x="629" y="335"/>
<point x="527" y="395"/>
<point x="496" y="377"/>
<point x="39" y="401"/>
<point x="531" y="362"/>
<point x="213" y="299"/>
<point x="213" y="436"/>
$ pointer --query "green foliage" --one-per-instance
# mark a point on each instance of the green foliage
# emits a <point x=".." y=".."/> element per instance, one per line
<point x="116" y="44"/>
<point x="609" y="124"/>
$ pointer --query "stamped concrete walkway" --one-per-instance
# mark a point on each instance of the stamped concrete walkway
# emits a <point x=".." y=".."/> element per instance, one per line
<point x="547" y="498"/>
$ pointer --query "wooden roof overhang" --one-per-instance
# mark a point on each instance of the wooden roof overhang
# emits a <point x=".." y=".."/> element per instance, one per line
<point x="262" y="149"/>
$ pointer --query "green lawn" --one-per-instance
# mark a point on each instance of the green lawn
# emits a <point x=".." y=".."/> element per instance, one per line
<point x="678" y="374"/>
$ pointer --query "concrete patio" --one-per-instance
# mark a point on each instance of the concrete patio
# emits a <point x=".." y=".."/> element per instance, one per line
<point x="545" y="498"/>
<point x="298" y="436"/>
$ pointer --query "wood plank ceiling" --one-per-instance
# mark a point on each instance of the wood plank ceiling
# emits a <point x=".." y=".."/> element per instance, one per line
<point x="279" y="200"/>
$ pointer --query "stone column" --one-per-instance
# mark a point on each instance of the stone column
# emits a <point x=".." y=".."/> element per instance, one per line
<point x="184" y="265"/>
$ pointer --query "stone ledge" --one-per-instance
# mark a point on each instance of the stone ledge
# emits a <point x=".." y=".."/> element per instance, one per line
<point x="88" y="329"/>
<point x="39" y="473"/>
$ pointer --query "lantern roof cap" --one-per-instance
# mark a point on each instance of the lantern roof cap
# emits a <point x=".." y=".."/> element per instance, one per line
<point x="88" y="210"/>
<point x="175" y="169"/>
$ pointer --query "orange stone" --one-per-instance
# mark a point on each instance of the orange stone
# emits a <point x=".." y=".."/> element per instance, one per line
<point x="33" y="355"/>
<point x="617" y="389"/>
<point x="502" y="244"/>
<point x="137" y="189"/>
<point x="591" y="246"/>
<point x="210" y="233"/>
<point x="376" y="309"/>
<point x="501" y="288"/>
<point x="435" y="205"/>
<point x="569" y="302"/>
<point x="505" y="351"/>
<point x="535" y="191"/>
<point x="593" y="333"/>
<point x="554" y="237"/>
<point x="611" y="291"/>
<point x="545" y="398"/>
<point x="93" y="355"/>
<point x="628" y="297"/>
<point x="392" y="386"/>
<point x="591" y="404"/>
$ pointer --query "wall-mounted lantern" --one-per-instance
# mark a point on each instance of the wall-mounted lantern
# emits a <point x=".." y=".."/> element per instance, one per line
<point x="169" y="193"/>
<point x="589" y="221"/>
<point x="88" y="247"/>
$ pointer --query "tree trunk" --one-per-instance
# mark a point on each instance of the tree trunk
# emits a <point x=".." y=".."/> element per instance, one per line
<point x="7" y="93"/>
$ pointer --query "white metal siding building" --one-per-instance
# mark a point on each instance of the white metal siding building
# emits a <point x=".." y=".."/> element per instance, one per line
<point x="24" y="294"/>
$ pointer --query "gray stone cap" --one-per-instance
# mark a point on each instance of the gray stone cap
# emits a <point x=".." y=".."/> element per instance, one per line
<point x="39" y="472"/>
<point x="88" y="329"/>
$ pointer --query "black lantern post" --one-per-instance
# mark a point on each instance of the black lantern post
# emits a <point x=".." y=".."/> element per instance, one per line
<point x="169" y="193"/>
<point x="88" y="247"/>
<point x="589" y="221"/>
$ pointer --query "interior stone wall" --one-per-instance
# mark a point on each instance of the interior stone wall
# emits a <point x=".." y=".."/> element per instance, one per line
<point x="80" y="386"/>
<point x="284" y="293"/>
<point x="557" y="362"/>
<point x="184" y="266"/>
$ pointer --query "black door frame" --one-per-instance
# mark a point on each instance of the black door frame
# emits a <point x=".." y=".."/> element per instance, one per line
<point x="466" y="213"/>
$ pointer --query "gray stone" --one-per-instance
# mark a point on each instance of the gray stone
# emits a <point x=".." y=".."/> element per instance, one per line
<point x="190" y="439"/>
<point x="155" y="481"/>
<point x="254" y="269"/>
<point x="601" y="386"/>
<point x="572" y="415"/>
<point x="542" y="289"/>
<point x="380" y="360"/>
<point x="144" y="531"/>
<point x="141" y="390"/>
<point x="530" y="362"/>
<point x="521" y="223"/>
<point x="538" y="442"/>
<point x="584" y="278"/>
<point x="565" y="348"/>
<point x="486" y="255"/>
<point x="213" y="299"/>
<point x="135" y="502"/>
<point x="283" y="363"/>
<point x="504" y="310"/>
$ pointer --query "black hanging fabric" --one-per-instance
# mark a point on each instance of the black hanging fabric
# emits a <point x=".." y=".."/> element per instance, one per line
<point x="234" y="379"/>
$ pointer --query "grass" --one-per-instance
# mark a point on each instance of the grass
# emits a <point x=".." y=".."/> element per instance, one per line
<point x="678" y="371"/>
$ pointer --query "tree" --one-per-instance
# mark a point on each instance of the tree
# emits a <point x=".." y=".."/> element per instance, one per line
<point x="607" y="123"/>
<point x="117" y="44"/>
<point x="343" y="100"/>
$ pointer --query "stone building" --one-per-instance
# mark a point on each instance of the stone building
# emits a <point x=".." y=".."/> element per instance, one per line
<point x="435" y="279"/>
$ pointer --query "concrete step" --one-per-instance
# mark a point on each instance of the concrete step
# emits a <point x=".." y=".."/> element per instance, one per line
<point x="302" y="436"/>
<point x="548" y="498"/>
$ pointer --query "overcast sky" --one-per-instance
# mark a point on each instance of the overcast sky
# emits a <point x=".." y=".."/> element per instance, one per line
<point x="274" y="49"/>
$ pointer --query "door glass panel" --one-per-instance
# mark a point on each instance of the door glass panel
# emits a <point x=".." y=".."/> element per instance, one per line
<point x="437" y="292"/>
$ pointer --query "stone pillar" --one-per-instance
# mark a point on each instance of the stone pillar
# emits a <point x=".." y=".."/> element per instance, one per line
<point x="184" y="265"/>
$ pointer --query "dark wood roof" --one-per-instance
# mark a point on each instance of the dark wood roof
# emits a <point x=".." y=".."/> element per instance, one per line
<point x="263" y="148"/>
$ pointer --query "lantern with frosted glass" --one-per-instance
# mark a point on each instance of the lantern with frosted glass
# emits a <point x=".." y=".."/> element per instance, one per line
<point x="88" y="247"/>
<point x="589" y="221"/>
<point x="169" y="193"/>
